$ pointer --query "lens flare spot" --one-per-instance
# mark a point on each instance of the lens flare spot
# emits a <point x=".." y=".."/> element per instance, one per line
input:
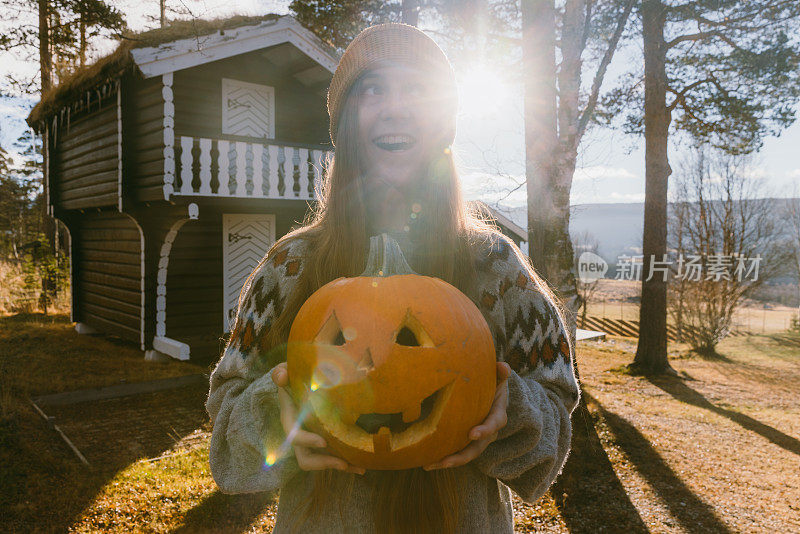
<point x="374" y="283"/>
<point x="314" y="386"/>
<point x="349" y="333"/>
<point x="327" y="374"/>
<point x="416" y="208"/>
<point x="271" y="459"/>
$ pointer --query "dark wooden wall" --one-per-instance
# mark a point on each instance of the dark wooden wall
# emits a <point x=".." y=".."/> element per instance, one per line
<point x="194" y="279"/>
<point x="85" y="157"/>
<point x="194" y="275"/>
<point x="300" y="115"/>
<point x="106" y="249"/>
<point x="144" y="139"/>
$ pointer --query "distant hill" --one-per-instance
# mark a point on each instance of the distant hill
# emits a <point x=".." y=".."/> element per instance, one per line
<point x="617" y="227"/>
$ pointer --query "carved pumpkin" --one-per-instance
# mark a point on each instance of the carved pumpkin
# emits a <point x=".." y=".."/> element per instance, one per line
<point x="392" y="368"/>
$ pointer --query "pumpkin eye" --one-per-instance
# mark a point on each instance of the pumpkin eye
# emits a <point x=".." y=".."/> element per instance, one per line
<point x="339" y="339"/>
<point x="407" y="338"/>
<point x="411" y="333"/>
<point x="331" y="332"/>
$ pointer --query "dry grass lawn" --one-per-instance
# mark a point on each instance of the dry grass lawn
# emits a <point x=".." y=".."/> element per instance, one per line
<point x="716" y="450"/>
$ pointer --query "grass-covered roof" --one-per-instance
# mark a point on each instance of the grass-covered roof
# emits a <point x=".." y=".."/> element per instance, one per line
<point x="120" y="61"/>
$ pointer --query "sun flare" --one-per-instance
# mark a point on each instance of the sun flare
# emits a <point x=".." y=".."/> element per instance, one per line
<point x="482" y="90"/>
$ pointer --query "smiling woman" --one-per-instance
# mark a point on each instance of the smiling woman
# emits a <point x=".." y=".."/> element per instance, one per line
<point x="367" y="363"/>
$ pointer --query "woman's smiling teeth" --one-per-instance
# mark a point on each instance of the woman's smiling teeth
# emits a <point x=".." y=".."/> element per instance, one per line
<point x="394" y="143"/>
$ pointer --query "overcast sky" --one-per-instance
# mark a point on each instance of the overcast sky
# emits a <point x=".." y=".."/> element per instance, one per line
<point x="490" y="138"/>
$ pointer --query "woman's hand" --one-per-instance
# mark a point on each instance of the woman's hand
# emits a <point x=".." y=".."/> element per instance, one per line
<point x="303" y="442"/>
<point x="486" y="432"/>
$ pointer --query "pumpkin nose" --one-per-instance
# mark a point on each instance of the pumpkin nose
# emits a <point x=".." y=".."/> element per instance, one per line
<point x="366" y="364"/>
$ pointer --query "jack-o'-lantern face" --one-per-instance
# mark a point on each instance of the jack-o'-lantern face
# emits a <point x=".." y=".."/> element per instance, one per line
<point x="393" y="370"/>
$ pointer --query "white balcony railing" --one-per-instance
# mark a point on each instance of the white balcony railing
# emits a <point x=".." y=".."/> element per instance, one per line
<point x="215" y="167"/>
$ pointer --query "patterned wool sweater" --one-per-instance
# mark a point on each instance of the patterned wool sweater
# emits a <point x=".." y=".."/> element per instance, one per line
<point x="526" y="457"/>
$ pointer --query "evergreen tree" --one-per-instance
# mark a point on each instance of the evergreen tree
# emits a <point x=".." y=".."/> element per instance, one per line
<point x="723" y="72"/>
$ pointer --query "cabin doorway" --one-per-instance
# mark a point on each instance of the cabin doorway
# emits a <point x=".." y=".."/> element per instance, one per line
<point x="246" y="238"/>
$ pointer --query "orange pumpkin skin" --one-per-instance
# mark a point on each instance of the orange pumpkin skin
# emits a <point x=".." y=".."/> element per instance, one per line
<point x="379" y="401"/>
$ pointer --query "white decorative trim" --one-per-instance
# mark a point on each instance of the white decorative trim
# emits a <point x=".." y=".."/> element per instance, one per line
<point x="250" y="170"/>
<point x="83" y="328"/>
<point x="171" y="347"/>
<point x="169" y="135"/>
<point x="163" y="264"/>
<point x="119" y="146"/>
<point x="187" y="53"/>
<point x="187" y="173"/>
<point x="265" y="94"/>
<point x="239" y="250"/>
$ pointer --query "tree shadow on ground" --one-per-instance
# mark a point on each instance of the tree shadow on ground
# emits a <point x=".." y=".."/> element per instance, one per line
<point x="226" y="513"/>
<point x="43" y="485"/>
<point x="588" y="493"/>
<point x="688" y="509"/>
<point x="684" y="393"/>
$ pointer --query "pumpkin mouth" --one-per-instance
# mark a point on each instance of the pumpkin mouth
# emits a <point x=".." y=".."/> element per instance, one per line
<point x="372" y="422"/>
<point x="385" y="432"/>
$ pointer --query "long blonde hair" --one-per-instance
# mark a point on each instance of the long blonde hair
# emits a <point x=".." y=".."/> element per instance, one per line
<point x="448" y="237"/>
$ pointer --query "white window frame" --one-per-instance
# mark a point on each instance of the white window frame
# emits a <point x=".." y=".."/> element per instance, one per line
<point x="228" y="84"/>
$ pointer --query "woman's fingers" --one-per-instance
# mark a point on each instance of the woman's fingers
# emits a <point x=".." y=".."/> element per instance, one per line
<point x="291" y="426"/>
<point x="464" y="456"/>
<point x="304" y="443"/>
<point x="497" y="417"/>
<point x="496" y="420"/>
<point x="503" y="371"/>
<point x="304" y="438"/>
<point x="310" y="460"/>
<point x="280" y="375"/>
<point x="486" y="432"/>
<point x="288" y="410"/>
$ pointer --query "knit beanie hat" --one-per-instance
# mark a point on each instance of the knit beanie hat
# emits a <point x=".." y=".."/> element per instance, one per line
<point x="392" y="42"/>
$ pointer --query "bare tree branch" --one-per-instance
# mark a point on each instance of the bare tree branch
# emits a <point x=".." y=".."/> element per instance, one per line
<point x="594" y="94"/>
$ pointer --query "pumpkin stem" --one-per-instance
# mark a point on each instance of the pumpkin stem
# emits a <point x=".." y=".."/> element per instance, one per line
<point x="385" y="258"/>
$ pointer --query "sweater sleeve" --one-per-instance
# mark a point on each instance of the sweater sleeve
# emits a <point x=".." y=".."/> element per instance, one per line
<point x="532" y="448"/>
<point x="248" y="451"/>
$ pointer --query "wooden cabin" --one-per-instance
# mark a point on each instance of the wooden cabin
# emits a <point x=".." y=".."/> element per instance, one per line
<point x="175" y="163"/>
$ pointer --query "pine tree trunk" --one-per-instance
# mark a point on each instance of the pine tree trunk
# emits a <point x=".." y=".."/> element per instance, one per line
<point x="651" y="353"/>
<point x="541" y="131"/>
<point x="45" y="61"/>
<point x="82" y="51"/>
<point x="46" y="69"/>
<point x="561" y="262"/>
<point x="550" y="151"/>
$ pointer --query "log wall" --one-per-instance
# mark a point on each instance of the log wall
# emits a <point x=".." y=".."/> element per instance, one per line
<point x="84" y="158"/>
<point x="144" y="147"/>
<point x="108" y="263"/>
<point x="300" y="115"/>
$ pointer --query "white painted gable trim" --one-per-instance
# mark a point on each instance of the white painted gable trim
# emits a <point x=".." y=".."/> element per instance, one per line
<point x="187" y="53"/>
